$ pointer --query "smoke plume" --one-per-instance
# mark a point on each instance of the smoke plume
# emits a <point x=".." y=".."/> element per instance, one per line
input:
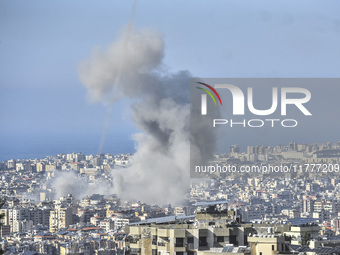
<point x="68" y="182"/>
<point x="133" y="69"/>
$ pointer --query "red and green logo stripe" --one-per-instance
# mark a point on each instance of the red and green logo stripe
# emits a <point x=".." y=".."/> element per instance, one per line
<point x="209" y="93"/>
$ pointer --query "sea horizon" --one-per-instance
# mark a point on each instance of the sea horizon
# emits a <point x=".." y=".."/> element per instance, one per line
<point x="32" y="147"/>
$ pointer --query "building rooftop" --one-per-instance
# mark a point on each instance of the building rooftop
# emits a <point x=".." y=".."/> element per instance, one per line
<point x="165" y="220"/>
<point x="221" y="202"/>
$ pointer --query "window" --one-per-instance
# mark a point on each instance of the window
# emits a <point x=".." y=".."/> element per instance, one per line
<point x="220" y="239"/>
<point x="179" y="242"/>
<point x="203" y="241"/>
<point x="190" y="240"/>
<point x="233" y="240"/>
<point x="260" y="253"/>
<point x="273" y="247"/>
<point x="154" y="240"/>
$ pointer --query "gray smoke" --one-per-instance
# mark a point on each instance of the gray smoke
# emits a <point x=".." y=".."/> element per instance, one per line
<point x="160" y="169"/>
<point x="124" y="69"/>
<point x="68" y="182"/>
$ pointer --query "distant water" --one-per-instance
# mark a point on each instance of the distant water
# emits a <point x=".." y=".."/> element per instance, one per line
<point x="40" y="146"/>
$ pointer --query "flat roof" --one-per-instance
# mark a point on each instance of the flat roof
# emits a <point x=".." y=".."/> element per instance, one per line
<point x="167" y="219"/>
<point x="301" y="221"/>
<point x="220" y="202"/>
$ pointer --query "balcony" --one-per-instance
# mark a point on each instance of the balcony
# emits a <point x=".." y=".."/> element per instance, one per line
<point x="219" y="244"/>
<point x="180" y="247"/>
<point x="162" y="246"/>
<point x="190" y="246"/>
<point x="135" y="251"/>
<point x="203" y="245"/>
<point x="221" y="231"/>
<point x="135" y="245"/>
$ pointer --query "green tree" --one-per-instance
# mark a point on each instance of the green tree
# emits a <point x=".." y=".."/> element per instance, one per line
<point x="2" y="202"/>
<point x="305" y="239"/>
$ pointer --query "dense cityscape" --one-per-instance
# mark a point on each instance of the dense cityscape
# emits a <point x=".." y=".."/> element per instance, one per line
<point x="62" y="205"/>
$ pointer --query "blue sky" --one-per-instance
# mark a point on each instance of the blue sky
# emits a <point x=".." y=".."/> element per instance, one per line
<point x="42" y="43"/>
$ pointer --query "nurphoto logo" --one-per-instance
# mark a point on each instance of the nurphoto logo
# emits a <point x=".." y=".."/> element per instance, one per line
<point x="279" y="102"/>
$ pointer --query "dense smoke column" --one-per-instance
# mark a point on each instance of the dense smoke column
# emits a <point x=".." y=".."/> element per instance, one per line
<point x="160" y="109"/>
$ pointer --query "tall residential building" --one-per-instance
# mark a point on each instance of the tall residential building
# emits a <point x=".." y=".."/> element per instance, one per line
<point x="212" y="227"/>
<point x="307" y="205"/>
<point x="61" y="217"/>
<point x="234" y="148"/>
<point x="50" y="168"/>
<point x="40" y="167"/>
<point x="16" y="216"/>
<point x="11" y="164"/>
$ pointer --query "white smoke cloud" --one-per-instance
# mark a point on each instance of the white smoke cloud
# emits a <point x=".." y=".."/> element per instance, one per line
<point x="132" y="68"/>
<point x="160" y="169"/>
<point x="68" y="182"/>
<point x="123" y="68"/>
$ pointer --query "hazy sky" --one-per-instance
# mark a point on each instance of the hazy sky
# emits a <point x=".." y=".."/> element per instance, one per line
<point x="42" y="43"/>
